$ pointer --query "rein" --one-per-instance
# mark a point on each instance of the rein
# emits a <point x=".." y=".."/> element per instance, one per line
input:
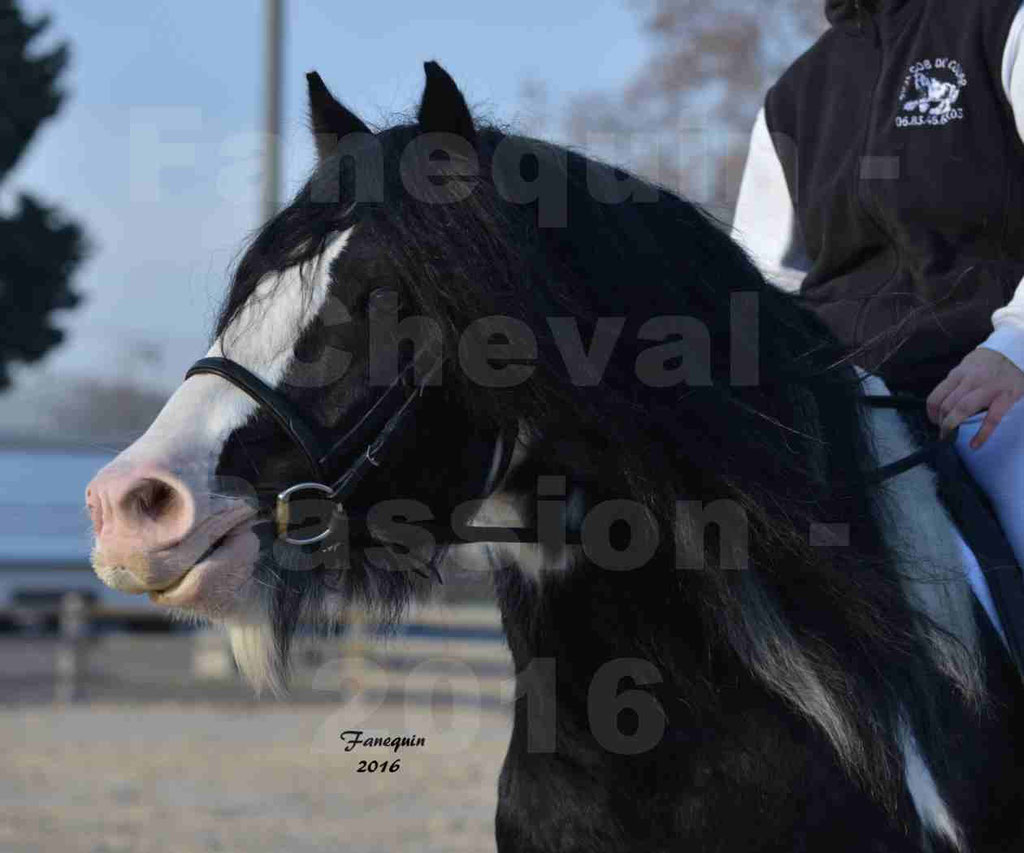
<point x="373" y="435"/>
<point x="911" y="460"/>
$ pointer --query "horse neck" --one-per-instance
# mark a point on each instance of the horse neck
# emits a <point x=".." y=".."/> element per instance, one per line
<point x="585" y="617"/>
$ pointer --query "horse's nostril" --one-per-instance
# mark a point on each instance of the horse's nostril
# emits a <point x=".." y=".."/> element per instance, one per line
<point x="151" y="498"/>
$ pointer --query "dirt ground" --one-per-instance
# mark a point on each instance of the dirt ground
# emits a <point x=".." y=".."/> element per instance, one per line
<point x="253" y="778"/>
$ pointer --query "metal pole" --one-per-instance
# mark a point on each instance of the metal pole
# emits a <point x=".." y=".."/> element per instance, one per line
<point x="74" y="629"/>
<point x="273" y="55"/>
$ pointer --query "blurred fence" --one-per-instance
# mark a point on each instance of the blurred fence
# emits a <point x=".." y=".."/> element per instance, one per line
<point x="45" y="533"/>
<point x="449" y="652"/>
<point x="453" y="650"/>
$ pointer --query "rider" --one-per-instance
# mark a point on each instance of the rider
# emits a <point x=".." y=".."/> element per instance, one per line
<point x="885" y="183"/>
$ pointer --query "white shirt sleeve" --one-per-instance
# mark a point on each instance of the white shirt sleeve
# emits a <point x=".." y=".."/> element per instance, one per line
<point x="1008" y="321"/>
<point x="765" y="222"/>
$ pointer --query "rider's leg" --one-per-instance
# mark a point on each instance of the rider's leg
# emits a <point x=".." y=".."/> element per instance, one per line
<point x="959" y="499"/>
<point x="976" y="578"/>
<point x="998" y="467"/>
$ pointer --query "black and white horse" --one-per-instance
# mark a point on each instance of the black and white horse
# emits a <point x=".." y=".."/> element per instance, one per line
<point x="728" y="636"/>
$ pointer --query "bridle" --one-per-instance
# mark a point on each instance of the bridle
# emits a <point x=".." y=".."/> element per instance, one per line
<point x="366" y="445"/>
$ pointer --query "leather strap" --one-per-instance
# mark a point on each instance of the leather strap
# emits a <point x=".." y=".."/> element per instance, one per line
<point x="276" y="404"/>
<point x="912" y="460"/>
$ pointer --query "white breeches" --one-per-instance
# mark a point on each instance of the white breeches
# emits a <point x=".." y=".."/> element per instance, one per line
<point x="998" y="468"/>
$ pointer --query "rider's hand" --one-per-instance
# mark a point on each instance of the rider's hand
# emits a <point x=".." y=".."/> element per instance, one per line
<point x="985" y="379"/>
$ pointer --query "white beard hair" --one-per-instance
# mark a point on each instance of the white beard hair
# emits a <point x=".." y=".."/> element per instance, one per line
<point x="254" y="648"/>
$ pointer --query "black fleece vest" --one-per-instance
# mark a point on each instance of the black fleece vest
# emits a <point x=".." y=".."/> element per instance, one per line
<point x="907" y="175"/>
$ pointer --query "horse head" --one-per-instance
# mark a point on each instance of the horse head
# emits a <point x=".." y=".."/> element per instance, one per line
<point x="500" y="309"/>
<point x="187" y="512"/>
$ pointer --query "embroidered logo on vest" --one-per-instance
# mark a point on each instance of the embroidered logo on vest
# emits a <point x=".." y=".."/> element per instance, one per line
<point x="930" y="93"/>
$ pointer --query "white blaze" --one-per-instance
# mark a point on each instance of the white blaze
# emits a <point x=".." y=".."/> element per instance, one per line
<point x="263" y="334"/>
<point x="197" y="420"/>
<point x="188" y="436"/>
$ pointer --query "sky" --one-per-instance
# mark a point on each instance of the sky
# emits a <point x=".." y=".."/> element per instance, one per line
<point x="154" y="152"/>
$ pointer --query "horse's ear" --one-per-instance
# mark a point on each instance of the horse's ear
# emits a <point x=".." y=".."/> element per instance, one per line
<point x="442" y="108"/>
<point x="331" y="120"/>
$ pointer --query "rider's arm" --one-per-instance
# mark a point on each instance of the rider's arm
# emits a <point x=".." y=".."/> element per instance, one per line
<point x="765" y="223"/>
<point x="1008" y="322"/>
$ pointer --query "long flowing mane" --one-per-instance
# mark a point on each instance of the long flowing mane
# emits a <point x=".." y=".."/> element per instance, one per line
<point x="786" y="446"/>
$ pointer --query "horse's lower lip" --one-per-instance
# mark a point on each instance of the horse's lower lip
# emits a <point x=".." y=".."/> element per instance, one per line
<point x="160" y="596"/>
<point x="217" y="543"/>
<point x="156" y="594"/>
<point x="199" y="561"/>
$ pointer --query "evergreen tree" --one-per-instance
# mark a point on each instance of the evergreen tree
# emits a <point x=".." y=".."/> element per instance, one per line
<point x="39" y="249"/>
